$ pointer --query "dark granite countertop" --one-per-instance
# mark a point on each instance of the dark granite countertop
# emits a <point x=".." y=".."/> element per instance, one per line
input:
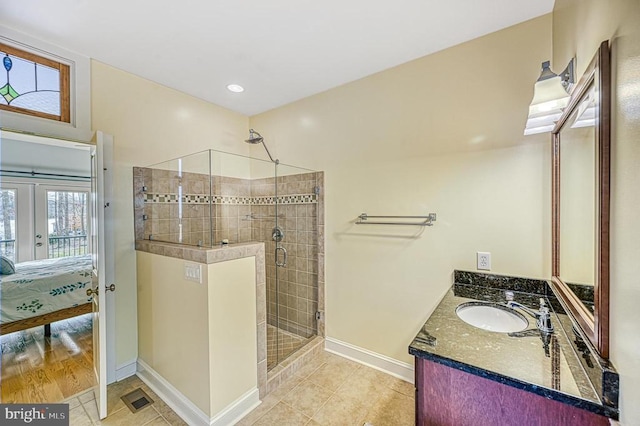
<point x="530" y="360"/>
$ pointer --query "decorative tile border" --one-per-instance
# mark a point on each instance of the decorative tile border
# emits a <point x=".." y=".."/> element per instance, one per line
<point x="287" y="199"/>
<point x="161" y="198"/>
<point x="173" y="198"/>
<point x="230" y="200"/>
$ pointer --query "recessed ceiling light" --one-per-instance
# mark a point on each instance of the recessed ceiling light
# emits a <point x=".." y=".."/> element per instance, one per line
<point x="236" y="88"/>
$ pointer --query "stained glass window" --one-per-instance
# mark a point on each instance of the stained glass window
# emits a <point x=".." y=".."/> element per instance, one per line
<point x="33" y="85"/>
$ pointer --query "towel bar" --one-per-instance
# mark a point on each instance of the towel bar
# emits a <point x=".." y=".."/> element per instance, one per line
<point x="363" y="219"/>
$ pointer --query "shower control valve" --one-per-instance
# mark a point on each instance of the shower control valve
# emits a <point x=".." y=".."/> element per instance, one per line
<point x="277" y="234"/>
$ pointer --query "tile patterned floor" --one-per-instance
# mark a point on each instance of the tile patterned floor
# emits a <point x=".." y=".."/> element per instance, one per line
<point x="336" y="391"/>
<point x="84" y="412"/>
<point x="281" y="344"/>
<point x="331" y="390"/>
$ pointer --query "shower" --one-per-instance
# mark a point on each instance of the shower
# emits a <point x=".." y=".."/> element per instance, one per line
<point x="256" y="138"/>
<point x="286" y="221"/>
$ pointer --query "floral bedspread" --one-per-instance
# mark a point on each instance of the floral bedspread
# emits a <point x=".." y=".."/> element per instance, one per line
<point x="42" y="286"/>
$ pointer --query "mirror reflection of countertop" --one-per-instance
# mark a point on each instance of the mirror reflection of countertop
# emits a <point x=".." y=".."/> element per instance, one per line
<point x="545" y="364"/>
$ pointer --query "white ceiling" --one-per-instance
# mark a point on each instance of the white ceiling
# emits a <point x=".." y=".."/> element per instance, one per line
<point x="279" y="50"/>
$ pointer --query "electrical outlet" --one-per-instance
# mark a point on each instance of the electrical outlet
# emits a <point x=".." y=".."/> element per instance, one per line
<point x="484" y="261"/>
<point x="192" y="272"/>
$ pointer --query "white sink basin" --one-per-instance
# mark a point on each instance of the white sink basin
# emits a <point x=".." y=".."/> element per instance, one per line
<point x="492" y="317"/>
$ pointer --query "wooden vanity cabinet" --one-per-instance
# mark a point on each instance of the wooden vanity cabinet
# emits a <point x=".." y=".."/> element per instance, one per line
<point x="448" y="396"/>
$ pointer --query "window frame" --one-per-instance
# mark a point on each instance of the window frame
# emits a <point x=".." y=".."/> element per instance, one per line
<point x="41" y="211"/>
<point x="79" y="129"/>
<point x="65" y="84"/>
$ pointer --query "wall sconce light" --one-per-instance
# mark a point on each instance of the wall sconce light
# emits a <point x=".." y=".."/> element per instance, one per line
<point x="586" y="115"/>
<point x="550" y="97"/>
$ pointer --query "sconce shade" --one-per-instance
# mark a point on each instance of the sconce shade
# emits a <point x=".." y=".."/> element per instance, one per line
<point x="549" y="100"/>
<point x="587" y="112"/>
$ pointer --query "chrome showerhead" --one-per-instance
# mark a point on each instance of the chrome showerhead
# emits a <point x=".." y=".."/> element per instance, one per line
<point x="254" y="137"/>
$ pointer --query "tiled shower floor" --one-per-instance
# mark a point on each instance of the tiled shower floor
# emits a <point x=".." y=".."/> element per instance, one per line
<point x="286" y="344"/>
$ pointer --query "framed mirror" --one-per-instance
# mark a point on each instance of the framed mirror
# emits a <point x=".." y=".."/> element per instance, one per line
<point x="580" y="201"/>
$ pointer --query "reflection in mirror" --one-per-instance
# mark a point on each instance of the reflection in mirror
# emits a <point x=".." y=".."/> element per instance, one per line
<point x="581" y="144"/>
<point x="578" y="200"/>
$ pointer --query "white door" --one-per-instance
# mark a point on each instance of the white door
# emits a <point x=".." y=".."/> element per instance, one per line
<point x="16" y="219"/>
<point x="101" y="263"/>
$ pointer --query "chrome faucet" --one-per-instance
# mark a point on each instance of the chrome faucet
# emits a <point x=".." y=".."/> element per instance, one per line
<point x="542" y="316"/>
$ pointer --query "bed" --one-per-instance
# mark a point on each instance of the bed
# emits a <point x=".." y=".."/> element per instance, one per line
<point x="43" y="291"/>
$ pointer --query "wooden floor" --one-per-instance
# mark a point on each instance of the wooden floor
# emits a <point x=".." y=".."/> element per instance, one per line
<point x="38" y="369"/>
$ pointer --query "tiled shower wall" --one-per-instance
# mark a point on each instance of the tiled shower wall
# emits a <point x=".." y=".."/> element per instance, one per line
<point x="158" y="213"/>
<point x="243" y="210"/>
<point x="301" y="197"/>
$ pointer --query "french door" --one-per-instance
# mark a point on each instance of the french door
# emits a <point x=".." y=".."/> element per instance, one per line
<point x="61" y="221"/>
<point x="16" y="221"/>
<point x="43" y="220"/>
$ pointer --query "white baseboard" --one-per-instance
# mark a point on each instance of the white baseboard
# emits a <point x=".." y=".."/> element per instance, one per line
<point x="237" y="409"/>
<point x="179" y="403"/>
<point x="187" y="410"/>
<point x="125" y="370"/>
<point x="396" y="368"/>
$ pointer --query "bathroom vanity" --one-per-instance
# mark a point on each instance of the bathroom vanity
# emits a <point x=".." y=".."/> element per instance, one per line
<point x="466" y="375"/>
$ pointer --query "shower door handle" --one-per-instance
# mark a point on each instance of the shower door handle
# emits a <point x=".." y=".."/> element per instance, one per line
<point x="284" y="257"/>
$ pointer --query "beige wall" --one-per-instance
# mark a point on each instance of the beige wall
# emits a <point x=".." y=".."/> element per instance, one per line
<point x="440" y="134"/>
<point x="150" y="123"/>
<point x="233" y="342"/>
<point x="578" y="29"/>
<point x="173" y="325"/>
<point x="200" y="337"/>
<point x="404" y="113"/>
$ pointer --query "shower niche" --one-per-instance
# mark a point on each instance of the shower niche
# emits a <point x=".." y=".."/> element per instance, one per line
<point x="213" y="198"/>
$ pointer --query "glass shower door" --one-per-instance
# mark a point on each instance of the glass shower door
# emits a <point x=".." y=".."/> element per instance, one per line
<point x="295" y="249"/>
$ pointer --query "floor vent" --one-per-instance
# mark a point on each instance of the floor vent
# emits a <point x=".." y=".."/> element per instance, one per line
<point x="136" y="400"/>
